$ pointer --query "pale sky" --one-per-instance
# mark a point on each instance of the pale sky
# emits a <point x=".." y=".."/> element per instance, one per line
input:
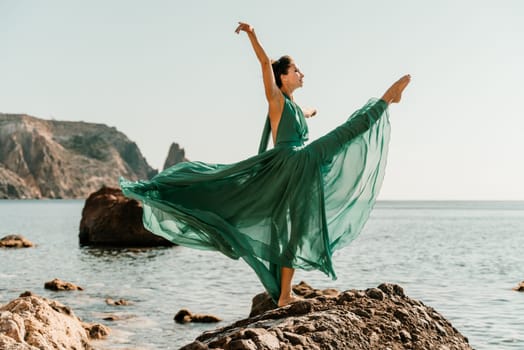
<point x="174" y="71"/>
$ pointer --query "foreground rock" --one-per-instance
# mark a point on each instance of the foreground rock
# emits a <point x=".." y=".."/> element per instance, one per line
<point x="378" y="318"/>
<point x="520" y="287"/>
<point x="15" y="241"/>
<point x="186" y="316"/>
<point x="59" y="285"/>
<point x="111" y="219"/>
<point x="32" y="322"/>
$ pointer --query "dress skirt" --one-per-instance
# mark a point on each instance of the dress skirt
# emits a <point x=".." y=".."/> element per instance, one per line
<point x="291" y="206"/>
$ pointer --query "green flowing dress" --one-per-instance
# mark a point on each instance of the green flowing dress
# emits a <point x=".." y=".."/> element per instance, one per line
<point x="292" y="205"/>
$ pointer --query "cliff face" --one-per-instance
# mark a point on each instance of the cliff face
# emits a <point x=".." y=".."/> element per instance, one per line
<point x="60" y="159"/>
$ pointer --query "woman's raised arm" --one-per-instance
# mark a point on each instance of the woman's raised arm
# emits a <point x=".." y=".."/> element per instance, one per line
<point x="270" y="87"/>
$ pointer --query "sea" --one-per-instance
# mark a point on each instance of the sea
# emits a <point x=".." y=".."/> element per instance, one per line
<point x="460" y="257"/>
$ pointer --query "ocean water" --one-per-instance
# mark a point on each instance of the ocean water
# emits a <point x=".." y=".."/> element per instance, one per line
<point x="462" y="258"/>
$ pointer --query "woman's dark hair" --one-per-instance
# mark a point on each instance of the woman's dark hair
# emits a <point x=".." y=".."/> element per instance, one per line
<point x="280" y="67"/>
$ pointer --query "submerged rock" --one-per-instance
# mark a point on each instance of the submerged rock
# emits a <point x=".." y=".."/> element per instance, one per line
<point x="59" y="285"/>
<point x="15" y="241"/>
<point x="519" y="287"/>
<point x="111" y="219"/>
<point x="32" y="322"/>
<point x="377" y="318"/>
<point x="185" y="316"/>
<point x="120" y="302"/>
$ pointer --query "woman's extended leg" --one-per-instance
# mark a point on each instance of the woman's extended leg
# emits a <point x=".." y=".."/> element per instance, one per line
<point x="332" y="142"/>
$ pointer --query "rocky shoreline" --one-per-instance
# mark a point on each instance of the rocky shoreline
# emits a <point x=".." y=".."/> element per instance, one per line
<point x="375" y="318"/>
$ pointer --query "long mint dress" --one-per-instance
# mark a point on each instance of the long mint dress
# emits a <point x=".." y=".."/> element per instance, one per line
<point x="292" y="205"/>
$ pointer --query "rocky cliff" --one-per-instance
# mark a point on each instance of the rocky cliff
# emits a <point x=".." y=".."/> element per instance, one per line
<point x="60" y="159"/>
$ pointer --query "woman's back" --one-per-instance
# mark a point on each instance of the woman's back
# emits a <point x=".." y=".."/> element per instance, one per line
<point x="292" y="129"/>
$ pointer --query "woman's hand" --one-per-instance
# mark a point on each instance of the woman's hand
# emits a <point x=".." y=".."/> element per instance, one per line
<point x="244" y="27"/>
<point x="309" y="112"/>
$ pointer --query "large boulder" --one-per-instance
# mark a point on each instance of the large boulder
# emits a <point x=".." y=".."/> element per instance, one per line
<point x="376" y="318"/>
<point x="31" y="322"/>
<point x="111" y="219"/>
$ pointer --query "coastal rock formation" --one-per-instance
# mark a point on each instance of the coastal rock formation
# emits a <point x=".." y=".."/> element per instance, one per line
<point x="175" y="155"/>
<point x="15" y="241"/>
<point x="31" y="322"/>
<point x="376" y="318"/>
<point x="59" y="159"/>
<point x="59" y="285"/>
<point x="186" y="316"/>
<point x="111" y="219"/>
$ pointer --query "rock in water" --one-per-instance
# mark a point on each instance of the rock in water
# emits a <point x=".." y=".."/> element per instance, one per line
<point x="111" y="219"/>
<point x="120" y="302"/>
<point x="377" y="318"/>
<point x="186" y="316"/>
<point x="15" y="241"/>
<point x="31" y="322"/>
<point x="59" y="285"/>
<point x="520" y="287"/>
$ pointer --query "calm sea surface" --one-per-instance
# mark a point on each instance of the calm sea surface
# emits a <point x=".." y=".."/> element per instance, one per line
<point x="462" y="258"/>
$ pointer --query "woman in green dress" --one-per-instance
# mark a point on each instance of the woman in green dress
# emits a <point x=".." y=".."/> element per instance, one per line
<point x="288" y="207"/>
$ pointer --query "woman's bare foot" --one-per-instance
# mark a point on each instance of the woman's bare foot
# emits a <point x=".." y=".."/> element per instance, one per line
<point x="283" y="301"/>
<point x="394" y="93"/>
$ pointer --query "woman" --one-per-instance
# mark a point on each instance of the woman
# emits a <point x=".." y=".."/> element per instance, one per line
<point x="286" y="208"/>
